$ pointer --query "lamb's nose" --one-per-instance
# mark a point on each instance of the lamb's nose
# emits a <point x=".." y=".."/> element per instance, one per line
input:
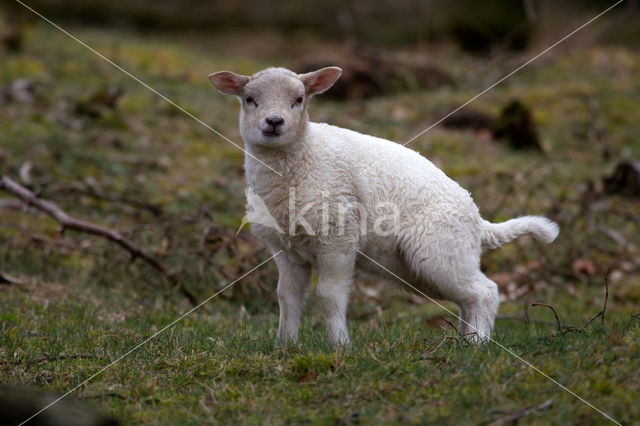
<point x="274" y="120"/>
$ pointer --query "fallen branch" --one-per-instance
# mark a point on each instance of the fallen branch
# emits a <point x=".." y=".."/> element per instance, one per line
<point x="8" y="279"/>
<point x="67" y="222"/>
<point x="513" y="417"/>
<point x="604" y="306"/>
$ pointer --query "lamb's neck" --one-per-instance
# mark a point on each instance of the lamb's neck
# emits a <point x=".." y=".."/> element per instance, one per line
<point x="269" y="167"/>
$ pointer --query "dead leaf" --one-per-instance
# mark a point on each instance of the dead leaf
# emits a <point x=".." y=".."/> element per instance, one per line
<point x="436" y="321"/>
<point x="584" y="267"/>
<point x="307" y="377"/>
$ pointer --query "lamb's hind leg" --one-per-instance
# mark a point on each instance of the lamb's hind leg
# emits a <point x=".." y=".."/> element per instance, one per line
<point x="478" y="308"/>
<point x="459" y="279"/>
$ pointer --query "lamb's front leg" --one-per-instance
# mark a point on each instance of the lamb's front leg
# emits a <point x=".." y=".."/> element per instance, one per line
<point x="335" y="272"/>
<point x="293" y="282"/>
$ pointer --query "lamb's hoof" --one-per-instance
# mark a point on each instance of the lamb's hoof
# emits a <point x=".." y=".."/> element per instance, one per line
<point x="343" y="344"/>
<point x="476" y="338"/>
<point x="285" y="342"/>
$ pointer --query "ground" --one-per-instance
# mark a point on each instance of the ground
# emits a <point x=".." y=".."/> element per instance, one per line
<point x="176" y="188"/>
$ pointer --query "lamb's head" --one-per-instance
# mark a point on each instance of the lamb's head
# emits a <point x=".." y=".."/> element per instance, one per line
<point x="274" y="101"/>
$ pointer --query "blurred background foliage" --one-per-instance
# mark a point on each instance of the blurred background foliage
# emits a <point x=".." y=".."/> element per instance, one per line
<point x="474" y="27"/>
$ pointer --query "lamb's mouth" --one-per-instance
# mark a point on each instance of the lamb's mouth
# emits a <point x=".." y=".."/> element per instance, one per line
<point x="270" y="133"/>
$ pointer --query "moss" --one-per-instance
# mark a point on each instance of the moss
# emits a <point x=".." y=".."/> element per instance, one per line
<point x="314" y="364"/>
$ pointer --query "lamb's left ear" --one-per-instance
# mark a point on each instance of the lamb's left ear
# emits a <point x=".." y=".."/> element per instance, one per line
<point x="228" y="83"/>
<point x="319" y="81"/>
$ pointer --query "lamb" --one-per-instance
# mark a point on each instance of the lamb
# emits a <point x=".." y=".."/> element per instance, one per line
<point x="330" y="193"/>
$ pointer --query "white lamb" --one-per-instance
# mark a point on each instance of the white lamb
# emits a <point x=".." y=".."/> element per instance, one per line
<point x="331" y="192"/>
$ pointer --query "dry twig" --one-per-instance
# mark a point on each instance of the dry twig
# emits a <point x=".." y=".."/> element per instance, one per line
<point x="633" y="317"/>
<point x="554" y="313"/>
<point x="604" y="306"/>
<point x="68" y="222"/>
<point x="451" y="325"/>
<point x="513" y="417"/>
<point x="8" y="279"/>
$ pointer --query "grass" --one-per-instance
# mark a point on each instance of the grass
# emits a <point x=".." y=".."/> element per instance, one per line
<point x="221" y="364"/>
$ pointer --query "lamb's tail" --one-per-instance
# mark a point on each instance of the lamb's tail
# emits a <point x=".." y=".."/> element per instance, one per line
<point x="495" y="235"/>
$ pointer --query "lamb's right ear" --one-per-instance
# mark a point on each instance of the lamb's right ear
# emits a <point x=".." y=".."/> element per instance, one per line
<point x="228" y="83"/>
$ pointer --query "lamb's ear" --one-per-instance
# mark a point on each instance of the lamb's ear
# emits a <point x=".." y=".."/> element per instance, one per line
<point x="228" y="83"/>
<point x="321" y="80"/>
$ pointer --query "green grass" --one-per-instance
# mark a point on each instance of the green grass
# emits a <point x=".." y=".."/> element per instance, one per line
<point x="222" y="365"/>
<point x="82" y="296"/>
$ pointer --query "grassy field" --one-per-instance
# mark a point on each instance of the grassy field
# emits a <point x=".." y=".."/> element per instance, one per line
<point x="177" y="189"/>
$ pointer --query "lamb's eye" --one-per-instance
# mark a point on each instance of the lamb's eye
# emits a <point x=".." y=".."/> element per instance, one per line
<point x="297" y="102"/>
<point x="249" y="100"/>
